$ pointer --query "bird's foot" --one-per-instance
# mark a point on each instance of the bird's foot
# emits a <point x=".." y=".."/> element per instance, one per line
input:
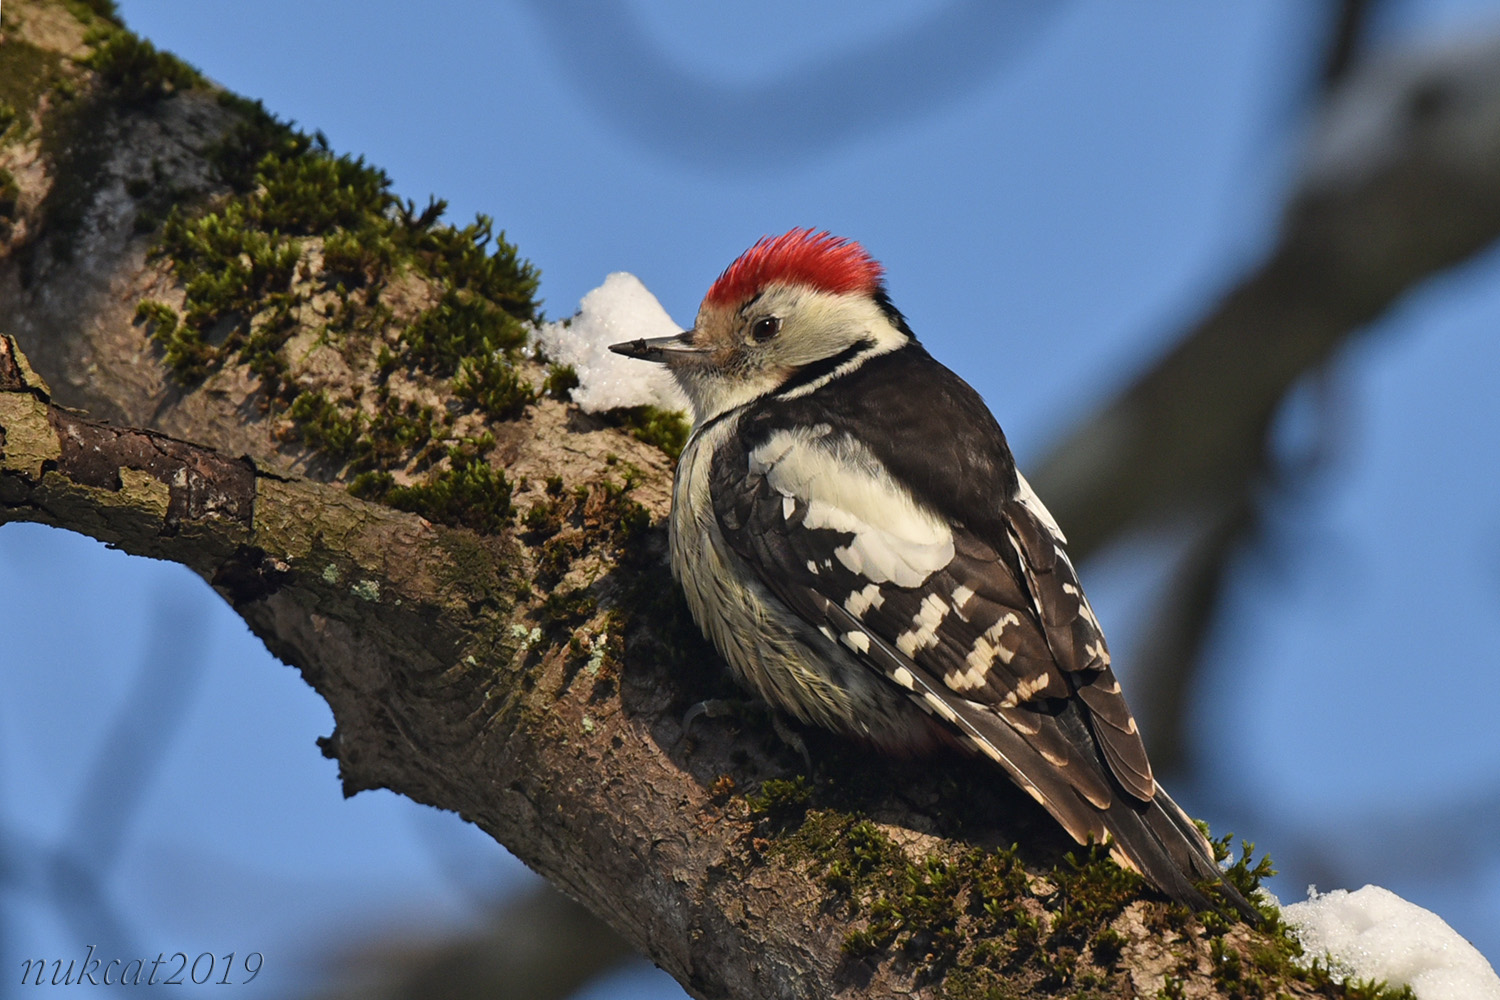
<point x="721" y="708"/>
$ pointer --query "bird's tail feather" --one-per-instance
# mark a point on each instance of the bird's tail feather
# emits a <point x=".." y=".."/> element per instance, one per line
<point x="1155" y="838"/>
<point x="1160" y="841"/>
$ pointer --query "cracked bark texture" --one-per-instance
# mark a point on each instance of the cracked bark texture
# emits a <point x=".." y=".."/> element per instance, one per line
<point x="450" y="681"/>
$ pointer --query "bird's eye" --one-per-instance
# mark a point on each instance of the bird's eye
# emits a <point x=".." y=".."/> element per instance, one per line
<point x="765" y="328"/>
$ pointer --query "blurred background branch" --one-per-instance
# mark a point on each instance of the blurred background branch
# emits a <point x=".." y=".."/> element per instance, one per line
<point x="1401" y="182"/>
<point x="73" y="874"/>
<point x="540" y="945"/>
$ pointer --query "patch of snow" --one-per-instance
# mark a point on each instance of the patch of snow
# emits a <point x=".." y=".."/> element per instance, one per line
<point x="621" y="309"/>
<point x="1372" y="933"/>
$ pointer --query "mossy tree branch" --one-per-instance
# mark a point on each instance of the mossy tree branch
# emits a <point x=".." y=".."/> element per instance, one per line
<point x="569" y="753"/>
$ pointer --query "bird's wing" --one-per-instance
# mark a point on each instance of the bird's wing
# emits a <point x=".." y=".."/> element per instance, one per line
<point x="997" y="640"/>
<point x="1074" y="637"/>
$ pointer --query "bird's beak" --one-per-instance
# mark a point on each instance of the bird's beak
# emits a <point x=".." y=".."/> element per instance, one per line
<point x="662" y="350"/>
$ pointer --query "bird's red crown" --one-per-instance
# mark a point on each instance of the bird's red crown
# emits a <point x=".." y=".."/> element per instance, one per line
<point x="801" y="257"/>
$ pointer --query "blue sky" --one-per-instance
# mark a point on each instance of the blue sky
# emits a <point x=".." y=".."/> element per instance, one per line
<point x="1054" y="189"/>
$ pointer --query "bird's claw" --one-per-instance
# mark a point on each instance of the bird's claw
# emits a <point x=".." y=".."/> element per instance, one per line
<point x="719" y="708"/>
<point x="713" y="708"/>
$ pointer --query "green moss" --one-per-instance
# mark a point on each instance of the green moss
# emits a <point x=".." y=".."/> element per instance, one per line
<point x="461" y="327"/>
<point x="911" y="906"/>
<point x="290" y="183"/>
<point x="920" y="917"/>
<point x="356" y="260"/>
<point x="543" y="520"/>
<point x="1093" y="891"/>
<point x="780" y="801"/>
<point x="1109" y="945"/>
<point x="412" y="429"/>
<point x="27" y="71"/>
<point x="253" y="278"/>
<point x="231" y="271"/>
<point x="666" y="429"/>
<point x="332" y="429"/>
<point x="256" y="137"/>
<point x="1245" y="873"/>
<point x="184" y="349"/>
<point x="474" y="259"/>
<point x="468" y="494"/>
<point x="493" y="384"/>
<point x="373" y="484"/>
<point x="315" y="195"/>
<point x="565" y="609"/>
<point x="560" y="382"/>
<point x="1260" y="969"/>
<point x="89" y="12"/>
<point x="600" y="516"/>
<point x="136" y="73"/>
<point x="974" y="920"/>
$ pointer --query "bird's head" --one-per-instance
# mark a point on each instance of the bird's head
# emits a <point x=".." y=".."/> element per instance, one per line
<point x="789" y="307"/>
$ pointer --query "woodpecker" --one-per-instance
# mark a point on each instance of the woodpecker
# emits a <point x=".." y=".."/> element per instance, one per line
<point x="852" y="534"/>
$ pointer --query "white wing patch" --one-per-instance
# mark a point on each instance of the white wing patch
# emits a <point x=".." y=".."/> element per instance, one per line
<point x="895" y="540"/>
